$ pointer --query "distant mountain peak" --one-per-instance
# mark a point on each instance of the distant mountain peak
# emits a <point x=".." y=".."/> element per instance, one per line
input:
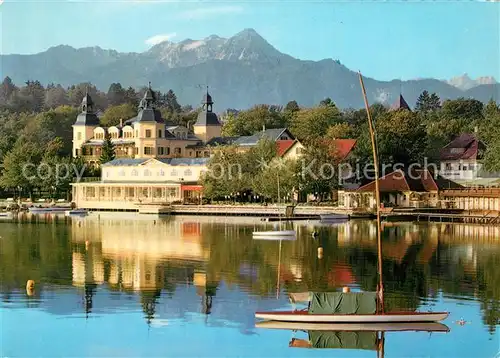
<point x="248" y="32"/>
<point x="464" y="82"/>
<point x="241" y="70"/>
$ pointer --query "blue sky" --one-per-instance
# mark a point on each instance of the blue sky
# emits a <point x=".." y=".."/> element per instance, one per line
<point x="385" y="40"/>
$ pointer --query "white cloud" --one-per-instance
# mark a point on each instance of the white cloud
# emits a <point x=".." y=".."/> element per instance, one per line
<point x="204" y="12"/>
<point x="155" y="40"/>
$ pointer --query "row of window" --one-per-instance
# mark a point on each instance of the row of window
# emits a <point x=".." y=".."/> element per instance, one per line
<point x="199" y="154"/>
<point x="159" y="150"/>
<point x="131" y="192"/>
<point x="449" y="167"/>
<point x="130" y="134"/>
<point x="148" y="173"/>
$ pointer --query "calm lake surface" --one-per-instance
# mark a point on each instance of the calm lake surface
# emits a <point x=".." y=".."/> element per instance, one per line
<point x="124" y="285"/>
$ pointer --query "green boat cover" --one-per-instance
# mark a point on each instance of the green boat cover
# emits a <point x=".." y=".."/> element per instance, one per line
<point x="343" y="303"/>
<point x="345" y="340"/>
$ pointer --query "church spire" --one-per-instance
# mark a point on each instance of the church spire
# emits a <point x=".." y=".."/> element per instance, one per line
<point x="87" y="105"/>
<point x="207" y="102"/>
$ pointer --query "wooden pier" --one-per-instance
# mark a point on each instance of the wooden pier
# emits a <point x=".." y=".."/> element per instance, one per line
<point x="489" y="218"/>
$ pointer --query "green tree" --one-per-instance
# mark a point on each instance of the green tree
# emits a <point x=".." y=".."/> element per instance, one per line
<point x="7" y="88"/>
<point x="34" y="92"/>
<point x="327" y="102"/>
<point x="340" y="131"/>
<point x="76" y="93"/>
<point x="257" y="118"/>
<point x="171" y="103"/>
<point x="316" y="170"/>
<point x="131" y="97"/>
<point x="427" y="103"/>
<point x="116" y="94"/>
<point x="489" y="127"/>
<point x="231" y="126"/>
<point x="276" y="180"/>
<point x="312" y="123"/>
<point x="107" y="151"/>
<point x="113" y="114"/>
<point x="401" y="137"/>
<point x="468" y="111"/>
<point x="55" y="96"/>
<point x="20" y="167"/>
<point x="292" y="107"/>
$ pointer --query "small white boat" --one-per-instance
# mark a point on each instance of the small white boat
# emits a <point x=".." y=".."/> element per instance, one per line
<point x="76" y="212"/>
<point x="355" y="327"/>
<point x="5" y="215"/>
<point x="393" y="317"/>
<point x="281" y="233"/>
<point x="275" y="237"/>
<point x="334" y="217"/>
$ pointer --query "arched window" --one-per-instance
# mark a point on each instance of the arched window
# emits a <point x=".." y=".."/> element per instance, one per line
<point x="134" y="173"/>
<point x="147" y="173"/>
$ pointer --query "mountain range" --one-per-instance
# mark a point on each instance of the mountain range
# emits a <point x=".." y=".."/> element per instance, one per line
<point x="241" y="71"/>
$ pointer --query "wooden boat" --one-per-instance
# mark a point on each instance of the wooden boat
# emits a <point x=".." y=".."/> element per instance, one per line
<point x="379" y="327"/>
<point x="393" y="317"/>
<point x="334" y="217"/>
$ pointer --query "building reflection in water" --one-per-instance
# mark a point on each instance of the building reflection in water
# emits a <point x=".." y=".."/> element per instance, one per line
<point x="133" y="255"/>
<point x="150" y="256"/>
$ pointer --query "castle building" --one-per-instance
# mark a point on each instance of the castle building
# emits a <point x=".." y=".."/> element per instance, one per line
<point x="147" y="135"/>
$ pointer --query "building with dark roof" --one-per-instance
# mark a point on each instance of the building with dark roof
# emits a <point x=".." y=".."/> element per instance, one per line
<point x="207" y="125"/>
<point x="461" y="159"/>
<point x="146" y="135"/>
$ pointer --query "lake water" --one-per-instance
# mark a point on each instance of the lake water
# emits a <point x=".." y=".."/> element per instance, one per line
<point x="124" y="285"/>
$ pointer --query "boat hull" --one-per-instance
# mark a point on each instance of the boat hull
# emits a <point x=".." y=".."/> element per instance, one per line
<point x="46" y="210"/>
<point x="394" y="317"/>
<point x="333" y="217"/>
<point x="275" y="233"/>
<point x="76" y="213"/>
<point x="355" y="327"/>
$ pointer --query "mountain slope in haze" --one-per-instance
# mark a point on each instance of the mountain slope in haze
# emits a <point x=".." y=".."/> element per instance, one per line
<point x="241" y="71"/>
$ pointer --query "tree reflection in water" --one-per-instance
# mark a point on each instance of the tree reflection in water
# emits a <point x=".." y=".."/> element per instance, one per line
<point x="419" y="261"/>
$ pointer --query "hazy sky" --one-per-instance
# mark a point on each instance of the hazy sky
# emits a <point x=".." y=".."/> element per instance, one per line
<point x="385" y="39"/>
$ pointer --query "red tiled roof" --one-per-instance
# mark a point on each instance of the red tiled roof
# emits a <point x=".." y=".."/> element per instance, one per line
<point x="341" y="148"/>
<point x="466" y="146"/>
<point x="420" y="180"/>
<point x="282" y="146"/>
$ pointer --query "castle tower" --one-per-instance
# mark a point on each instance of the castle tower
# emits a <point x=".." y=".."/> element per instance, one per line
<point x="207" y="125"/>
<point x="149" y="126"/>
<point x="86" y="122"/>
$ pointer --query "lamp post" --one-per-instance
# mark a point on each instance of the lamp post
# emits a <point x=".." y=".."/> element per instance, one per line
<point x="19" y="192"/>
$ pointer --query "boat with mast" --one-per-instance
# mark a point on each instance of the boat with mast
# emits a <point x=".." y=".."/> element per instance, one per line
<point x="353" y="307"/>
